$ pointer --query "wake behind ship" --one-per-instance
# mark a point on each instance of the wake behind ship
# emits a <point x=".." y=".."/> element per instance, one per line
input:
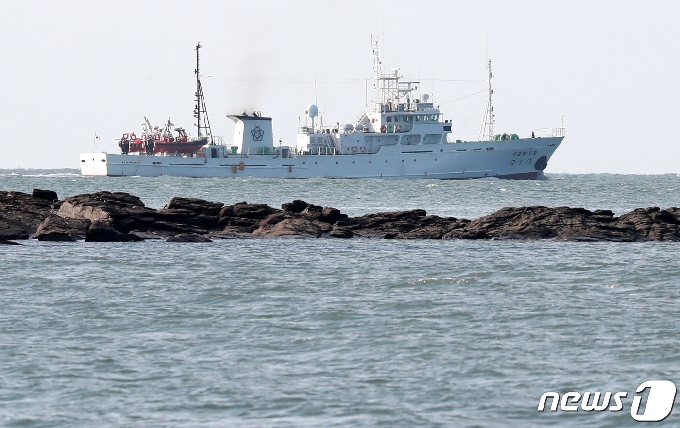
<point x="398" y="135"/>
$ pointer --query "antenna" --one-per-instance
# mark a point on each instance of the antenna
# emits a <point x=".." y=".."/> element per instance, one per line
<point x="200" y="111"/>
<point x="489" y="116"/>
<point x="316" y="97"/>
<point x="486" y="43"/>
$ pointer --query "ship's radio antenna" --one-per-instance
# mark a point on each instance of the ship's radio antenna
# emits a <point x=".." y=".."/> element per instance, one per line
<point x="200" y="112"/>
<point x="489" y="116"/>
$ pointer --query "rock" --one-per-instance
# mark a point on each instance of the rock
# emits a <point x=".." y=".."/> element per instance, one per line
<point x="233" y="232"/>
<point x="431" y="227"/>
<point x="192" y="212"/>
<point x="324" y="214"/>
<point x="114" y="216"/>
<point x="198" y="206"/>
<point x="340" y="232"/>
<point x="290" y="227"/>
<point x="380" y="224"/>
<point x="111" y="207"/>
<point x="55" y="228"/>
<point x="244" y="216"/>
<point x="297" y="206"/>
<point x="101" y="231"/>
<point x="48" y="195"/>
<point x="125" y="213"/>
<point x="188" y="237"/>
<point x="21" y="214"/>
<point x="6" y="242"/>
<point x="653" y="224"/>
<point x="253" y="211"/>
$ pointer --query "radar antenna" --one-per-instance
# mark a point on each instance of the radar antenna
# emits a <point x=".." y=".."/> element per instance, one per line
<point x="489" y="116"/>
<point x="200" y="112"/>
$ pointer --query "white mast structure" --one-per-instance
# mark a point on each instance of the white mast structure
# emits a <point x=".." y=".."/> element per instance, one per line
<point x="489" y="116"/>
<point x="391" y="91"/>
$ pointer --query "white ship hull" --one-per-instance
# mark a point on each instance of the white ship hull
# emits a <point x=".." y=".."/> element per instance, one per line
<point x="513" y="159"/>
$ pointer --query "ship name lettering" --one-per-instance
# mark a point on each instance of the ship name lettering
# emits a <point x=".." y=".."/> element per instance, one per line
<point x="530" y="153"/>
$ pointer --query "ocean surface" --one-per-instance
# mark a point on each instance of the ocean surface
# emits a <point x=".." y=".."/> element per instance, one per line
<point x="324" y="333"/>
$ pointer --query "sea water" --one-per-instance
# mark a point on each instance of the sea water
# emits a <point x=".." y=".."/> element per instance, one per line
<point x="329" y="332"/>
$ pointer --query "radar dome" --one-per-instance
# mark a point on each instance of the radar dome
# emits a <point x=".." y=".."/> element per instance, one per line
<point x="359" y="127"/>
<point x="349" y="127"/>
<point x="312" y="110"/>
<point x="426" y="97"/>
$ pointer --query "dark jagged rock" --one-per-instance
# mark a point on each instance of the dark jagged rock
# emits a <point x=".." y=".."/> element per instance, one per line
<point x="253" y="211"/>
<point x="188" y="237"/>
<point x="6" y="242"/>
<point x="297" y="206"/>
<point x="340" y="232"/>
<point x="21" y="214"/>
<point x="542" y="222"/>
<point x="197" y="206"/>
<point x="243" y="217"/>
<point x="101" y="231"/>
<point x="126" y="213"/>
<point x="119" y="217"/>
<point x="55" y="228"/>
<point x="192" y="212"/>
<point x="324" y="214"/>
<point x="294" y="226"/>
<point x="48" y="195"/>
<point x="386" y="225"/>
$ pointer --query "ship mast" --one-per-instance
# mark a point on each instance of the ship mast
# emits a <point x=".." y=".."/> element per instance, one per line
<point x="200" y="112"/>
<point x="489" y="116"/>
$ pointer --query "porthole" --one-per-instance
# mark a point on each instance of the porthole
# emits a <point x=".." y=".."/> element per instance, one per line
<point x="352" y="162"/>
<point x="336" y="162"/>
<point x="402" y="160"/>
<point x="315" y="162"/>
<point x="435" y="159"/>
<point x="414" y="160"/>
<point x="369" y="161"/>
<point x="385" y="161"/>
<point x="441" y="150"/>
<point x="303" y="163"/>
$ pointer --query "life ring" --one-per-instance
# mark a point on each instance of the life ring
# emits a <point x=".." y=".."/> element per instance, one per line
<point x="126" y="136"/>
<point x="383" y="129"/>
<point x="397" y="128"/>
<point x="363" y="149"/>
<point x="354" y="149"/>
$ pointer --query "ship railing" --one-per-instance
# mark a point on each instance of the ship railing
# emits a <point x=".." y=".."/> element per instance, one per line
<point x="216" y="139"/>
<point x="374" y="108"/>
<point x="548" y="132"/>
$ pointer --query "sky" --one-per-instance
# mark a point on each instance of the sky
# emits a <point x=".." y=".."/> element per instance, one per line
<point x="71" y="69"/>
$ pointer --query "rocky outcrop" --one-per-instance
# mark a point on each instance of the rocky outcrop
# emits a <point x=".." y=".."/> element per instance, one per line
<point x="121" y="217"/>
<point x="101" y="231"/>
<point x="188" y="237"/>
<point x="48" y="195"/>
<point x="55" y="228"/>
<point x="21" y="214"/>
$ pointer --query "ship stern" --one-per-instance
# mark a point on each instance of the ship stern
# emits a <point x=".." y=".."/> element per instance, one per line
<point x="94" y="164"/>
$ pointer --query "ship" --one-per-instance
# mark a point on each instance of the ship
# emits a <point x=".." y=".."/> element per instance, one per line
<point x="399" y="134"/>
